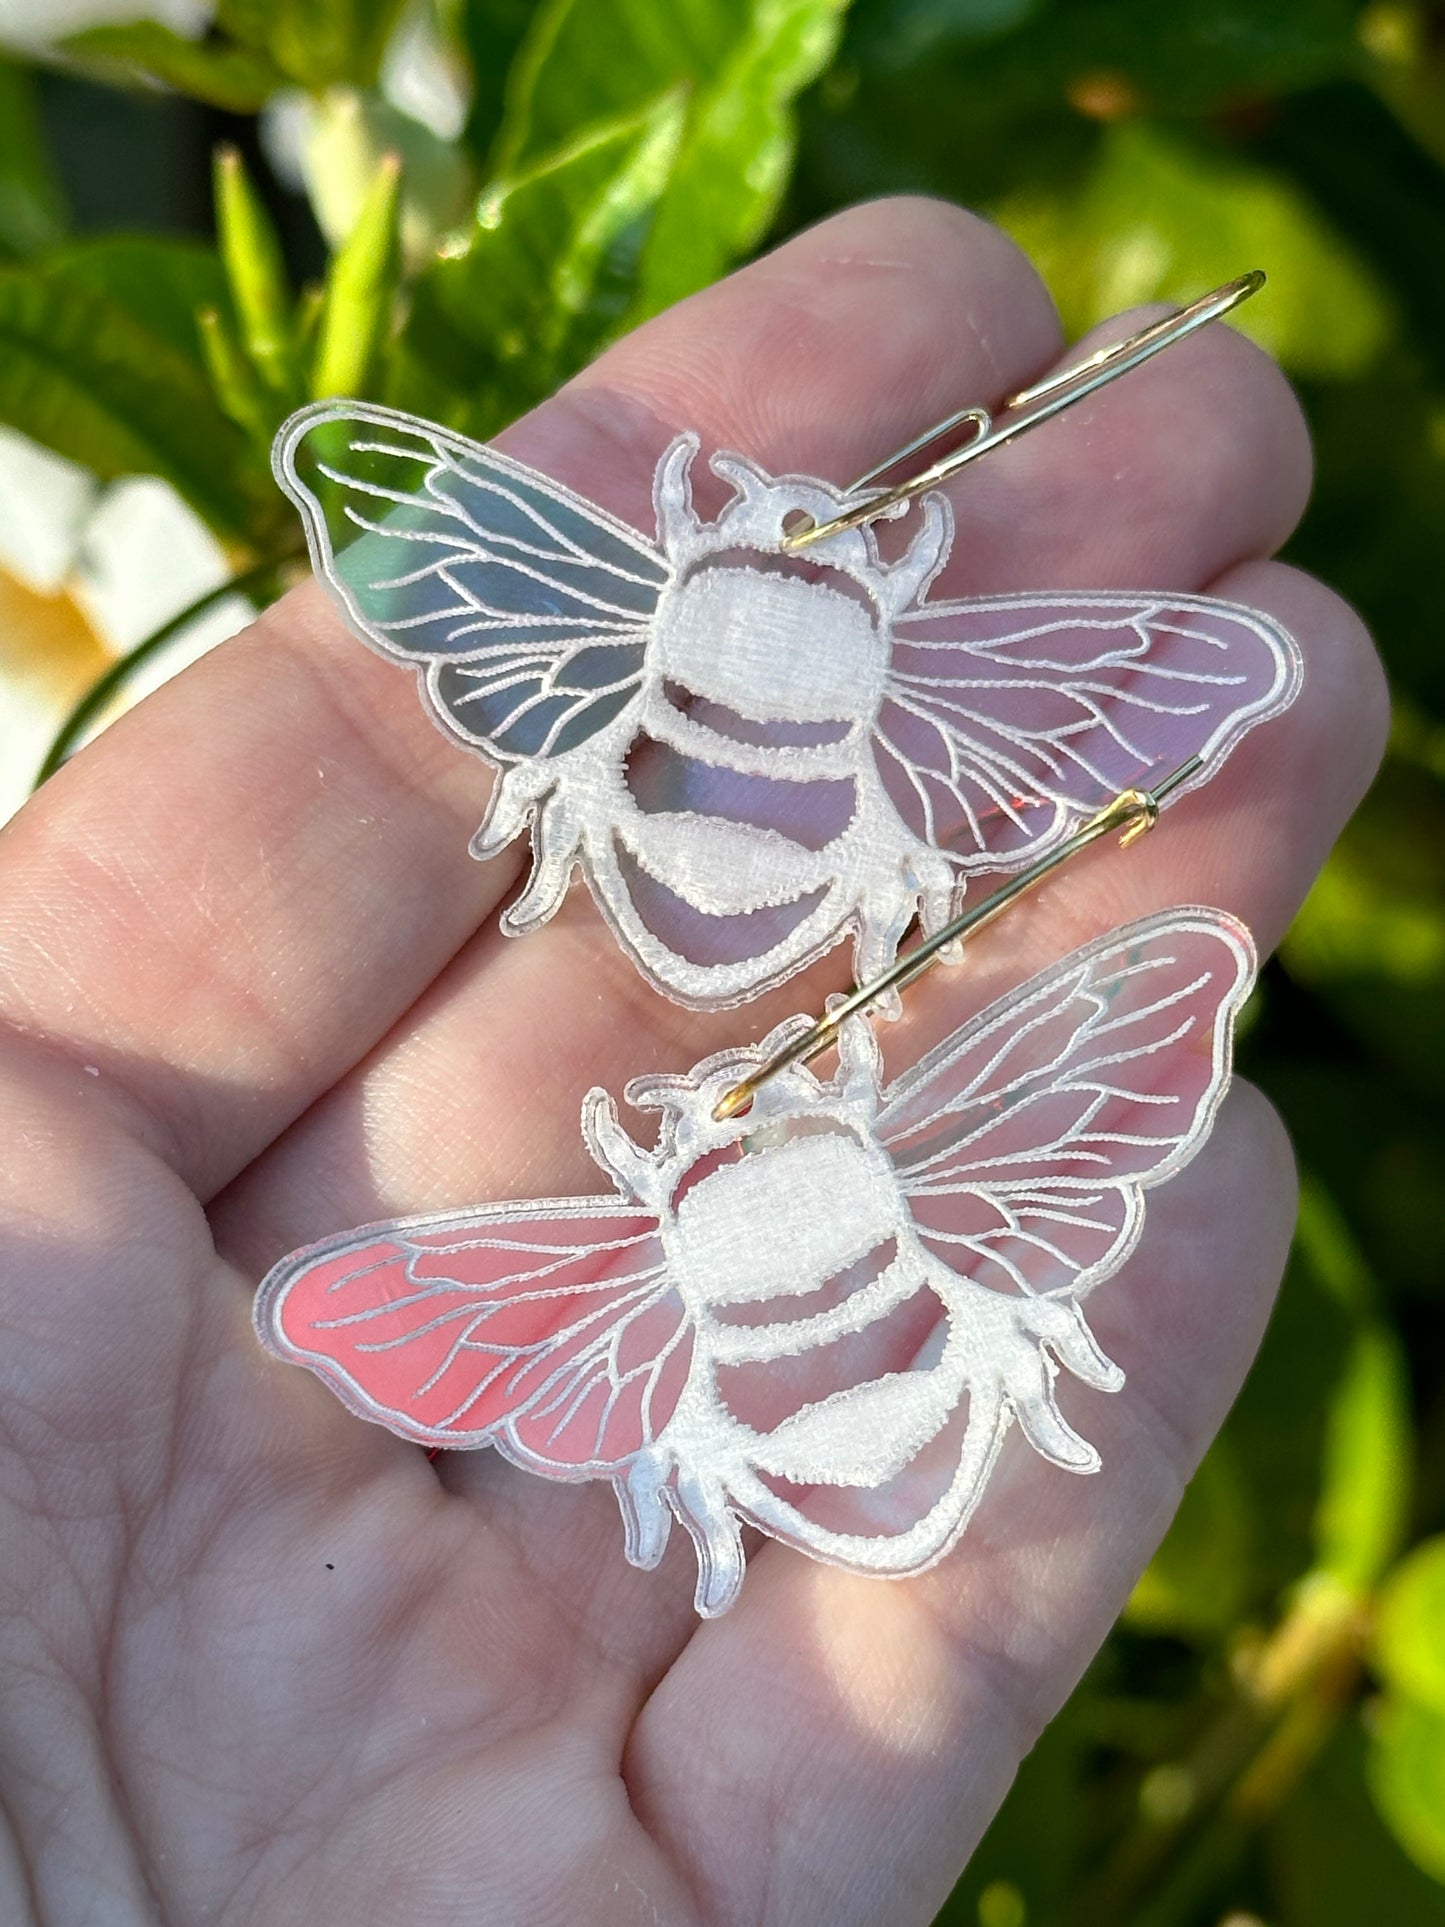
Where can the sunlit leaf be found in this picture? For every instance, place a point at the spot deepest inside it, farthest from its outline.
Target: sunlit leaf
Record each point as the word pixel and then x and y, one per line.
pixel 79 375
pixel 352 136
pixel 1371 936
pixel 1377 911
pixel 736 152
pixel 1163 218
pixel 256 271
pixel 32 207
pixel 361 291
pixel 235 78
pixel 1197 1582
pixel 1380 194
pixel 740 64
pixel 238 387
pixel 1407 1778
pixel 489 32
pixel 1368 1446
pixel 1365 1472
pixel 1409 1645
pixel 1277 1428
pixel 547 274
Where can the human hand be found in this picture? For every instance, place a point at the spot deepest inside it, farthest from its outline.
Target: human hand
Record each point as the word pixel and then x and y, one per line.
pixel 265 1664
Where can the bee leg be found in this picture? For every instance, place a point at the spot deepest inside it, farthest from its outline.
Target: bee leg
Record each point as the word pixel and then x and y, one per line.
pixel 646 1515
pixel 513 801
pixel 1028 1374
pixel 701 1504
pixel 1061 1324
pixel 555 839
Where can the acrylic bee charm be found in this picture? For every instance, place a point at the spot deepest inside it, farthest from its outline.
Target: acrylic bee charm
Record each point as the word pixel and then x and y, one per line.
pixel 751 753
pixel 822 1318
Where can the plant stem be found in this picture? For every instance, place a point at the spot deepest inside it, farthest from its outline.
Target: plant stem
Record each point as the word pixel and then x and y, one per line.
pixel 1287 1697
pixel 93 702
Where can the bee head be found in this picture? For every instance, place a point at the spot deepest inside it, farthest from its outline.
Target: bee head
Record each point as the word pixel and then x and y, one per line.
pixel 765 507
pixel 793 1101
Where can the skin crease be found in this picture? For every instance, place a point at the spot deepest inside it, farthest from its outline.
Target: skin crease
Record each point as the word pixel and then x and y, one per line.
pixel 264 1664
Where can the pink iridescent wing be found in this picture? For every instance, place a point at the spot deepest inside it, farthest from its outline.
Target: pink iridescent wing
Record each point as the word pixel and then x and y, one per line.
pixel 1006 720
pixel 550 1331
pixel 1025 1142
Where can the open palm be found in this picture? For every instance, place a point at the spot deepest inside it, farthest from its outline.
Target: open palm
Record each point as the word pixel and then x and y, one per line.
pixel 266 1664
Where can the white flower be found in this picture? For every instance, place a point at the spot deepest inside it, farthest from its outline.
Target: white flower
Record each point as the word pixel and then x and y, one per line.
pixel 87 572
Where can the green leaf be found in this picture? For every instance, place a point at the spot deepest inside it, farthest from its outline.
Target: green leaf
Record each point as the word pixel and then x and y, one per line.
pixel 318 43
pixel 80 375
pixel 159 282
pixel 489 32
pixel 361 291
pixel 741 64
pixel 1368 1441
pixel 1409 1643
pixel 550 269
pixel 234 378
pixel 737 152
pixel 1365 1470
pixel 256 271
pixel 1196 1584
pixel 1333 1863
pixel 32 207
pixel 1406 1767
pixel 1343 149
pixel 1160 217
pixel 238 79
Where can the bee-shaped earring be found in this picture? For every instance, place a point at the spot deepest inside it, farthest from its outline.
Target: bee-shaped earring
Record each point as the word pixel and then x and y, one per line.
pixel 754 734
pixel 814 1306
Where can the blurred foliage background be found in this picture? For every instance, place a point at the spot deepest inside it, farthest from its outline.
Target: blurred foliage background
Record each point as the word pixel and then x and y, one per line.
pixel 214 211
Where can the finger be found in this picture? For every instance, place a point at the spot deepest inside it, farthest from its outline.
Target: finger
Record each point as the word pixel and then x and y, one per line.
pixel 887 1720
pixel 231 896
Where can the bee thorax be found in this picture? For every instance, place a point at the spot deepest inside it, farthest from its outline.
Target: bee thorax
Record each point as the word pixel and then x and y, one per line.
pixel 772 648
pixel 782 1220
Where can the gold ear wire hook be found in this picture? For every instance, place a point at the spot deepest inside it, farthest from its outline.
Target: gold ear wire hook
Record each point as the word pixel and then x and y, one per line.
pixel 1135 812
pixel 1023 411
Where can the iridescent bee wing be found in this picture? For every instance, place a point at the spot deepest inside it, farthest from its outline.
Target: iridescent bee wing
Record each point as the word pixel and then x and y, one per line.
pixel 524 607
pixel 1025 1143
pixel 1007 720
pixel 550 1331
